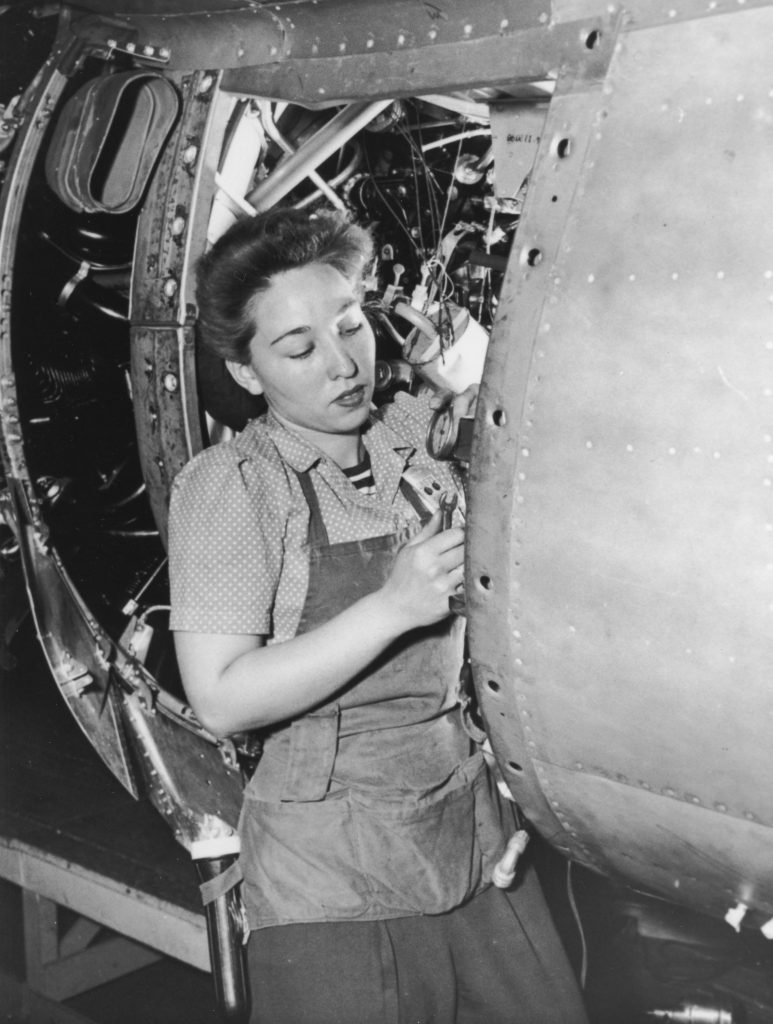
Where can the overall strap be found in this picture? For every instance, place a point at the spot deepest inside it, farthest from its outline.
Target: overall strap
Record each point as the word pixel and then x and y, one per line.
pixel 317 536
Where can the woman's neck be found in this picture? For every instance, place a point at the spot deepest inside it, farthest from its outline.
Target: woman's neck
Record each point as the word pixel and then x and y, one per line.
pixel 346 450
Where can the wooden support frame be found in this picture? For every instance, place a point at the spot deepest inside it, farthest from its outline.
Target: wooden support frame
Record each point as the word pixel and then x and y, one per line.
pixel 67 954
pixel 61 964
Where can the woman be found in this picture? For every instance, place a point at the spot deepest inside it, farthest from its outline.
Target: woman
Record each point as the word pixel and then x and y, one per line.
pixel 311 603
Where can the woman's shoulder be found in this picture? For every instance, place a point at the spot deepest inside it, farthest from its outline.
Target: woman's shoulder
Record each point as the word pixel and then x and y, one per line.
pixel 247 464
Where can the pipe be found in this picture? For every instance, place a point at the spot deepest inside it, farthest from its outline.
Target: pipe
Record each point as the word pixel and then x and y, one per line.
pixel 330 137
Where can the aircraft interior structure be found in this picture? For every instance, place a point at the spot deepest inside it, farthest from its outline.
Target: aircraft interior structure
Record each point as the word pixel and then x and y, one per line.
pixel 584 187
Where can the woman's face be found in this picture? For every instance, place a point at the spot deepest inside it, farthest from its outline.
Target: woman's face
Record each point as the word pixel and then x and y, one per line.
pixel 312 355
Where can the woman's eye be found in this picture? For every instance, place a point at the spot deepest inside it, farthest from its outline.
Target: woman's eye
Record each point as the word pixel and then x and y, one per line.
pixel 349 329
pixel 304 354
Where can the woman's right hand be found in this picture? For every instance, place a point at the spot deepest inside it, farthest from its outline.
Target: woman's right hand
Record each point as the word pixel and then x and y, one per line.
pixel 426 572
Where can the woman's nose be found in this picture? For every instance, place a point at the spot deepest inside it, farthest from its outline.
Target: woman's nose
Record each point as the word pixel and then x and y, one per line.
pixel 340 362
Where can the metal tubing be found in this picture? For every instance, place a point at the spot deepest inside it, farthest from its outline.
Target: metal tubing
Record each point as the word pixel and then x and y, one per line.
pixel 330 137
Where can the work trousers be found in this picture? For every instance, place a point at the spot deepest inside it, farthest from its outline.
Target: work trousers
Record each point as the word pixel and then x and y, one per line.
pixel 495 960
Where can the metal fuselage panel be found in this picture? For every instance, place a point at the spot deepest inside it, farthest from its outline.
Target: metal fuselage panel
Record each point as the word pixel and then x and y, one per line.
pixel 625 670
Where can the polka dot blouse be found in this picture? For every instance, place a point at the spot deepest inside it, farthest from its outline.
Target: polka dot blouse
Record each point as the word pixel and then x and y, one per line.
pixel 238 521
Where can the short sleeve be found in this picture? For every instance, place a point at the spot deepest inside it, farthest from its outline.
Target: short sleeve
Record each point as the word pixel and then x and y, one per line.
pixel 225 545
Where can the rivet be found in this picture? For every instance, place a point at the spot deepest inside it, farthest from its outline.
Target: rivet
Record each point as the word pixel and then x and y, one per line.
pixel 170 287
pixel 171 383
pixel 432 33
pixel 131 47
pixel 190 155
pixel 164 53
pixel 206 84
pixel 178 226
pixel 148 51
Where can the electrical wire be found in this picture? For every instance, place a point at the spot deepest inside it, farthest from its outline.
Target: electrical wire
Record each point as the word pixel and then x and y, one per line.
pixel 578 922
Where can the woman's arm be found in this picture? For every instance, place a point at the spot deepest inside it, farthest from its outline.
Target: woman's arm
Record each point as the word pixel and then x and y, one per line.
pixel 234 682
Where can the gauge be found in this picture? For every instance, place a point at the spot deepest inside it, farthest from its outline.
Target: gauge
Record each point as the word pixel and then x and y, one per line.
pixel 441 435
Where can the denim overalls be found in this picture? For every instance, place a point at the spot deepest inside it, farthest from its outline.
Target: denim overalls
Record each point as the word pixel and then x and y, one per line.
pixel 370 806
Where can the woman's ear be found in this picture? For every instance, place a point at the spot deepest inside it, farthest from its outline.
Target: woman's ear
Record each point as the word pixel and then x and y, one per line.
pixel 245 376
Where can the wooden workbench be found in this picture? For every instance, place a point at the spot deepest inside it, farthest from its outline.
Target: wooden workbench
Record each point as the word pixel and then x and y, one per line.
pixel 71 837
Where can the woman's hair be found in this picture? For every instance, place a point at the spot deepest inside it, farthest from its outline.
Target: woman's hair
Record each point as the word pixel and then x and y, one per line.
pixel 242 262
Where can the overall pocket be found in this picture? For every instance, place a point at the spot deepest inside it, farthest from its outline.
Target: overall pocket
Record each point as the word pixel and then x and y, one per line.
pixel 429 854
pixel 299 863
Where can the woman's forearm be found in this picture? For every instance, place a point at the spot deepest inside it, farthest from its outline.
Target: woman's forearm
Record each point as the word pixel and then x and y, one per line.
pixel 235 683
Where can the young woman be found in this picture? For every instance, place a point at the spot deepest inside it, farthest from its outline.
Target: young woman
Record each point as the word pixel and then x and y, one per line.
pixel 311 603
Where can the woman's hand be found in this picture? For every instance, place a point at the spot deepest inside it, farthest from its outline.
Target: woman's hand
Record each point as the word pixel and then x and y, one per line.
pixel 426 572
pixel 461 405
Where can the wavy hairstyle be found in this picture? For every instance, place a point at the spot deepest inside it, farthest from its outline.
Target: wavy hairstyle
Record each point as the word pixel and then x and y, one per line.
pixel 242 262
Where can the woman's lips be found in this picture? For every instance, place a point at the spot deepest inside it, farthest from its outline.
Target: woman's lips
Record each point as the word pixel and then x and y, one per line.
pixel 351 398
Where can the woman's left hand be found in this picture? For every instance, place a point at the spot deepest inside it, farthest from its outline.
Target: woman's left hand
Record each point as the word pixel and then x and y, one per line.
pixel 460 405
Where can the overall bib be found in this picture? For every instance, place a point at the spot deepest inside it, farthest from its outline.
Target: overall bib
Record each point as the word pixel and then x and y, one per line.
pixel 370 806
